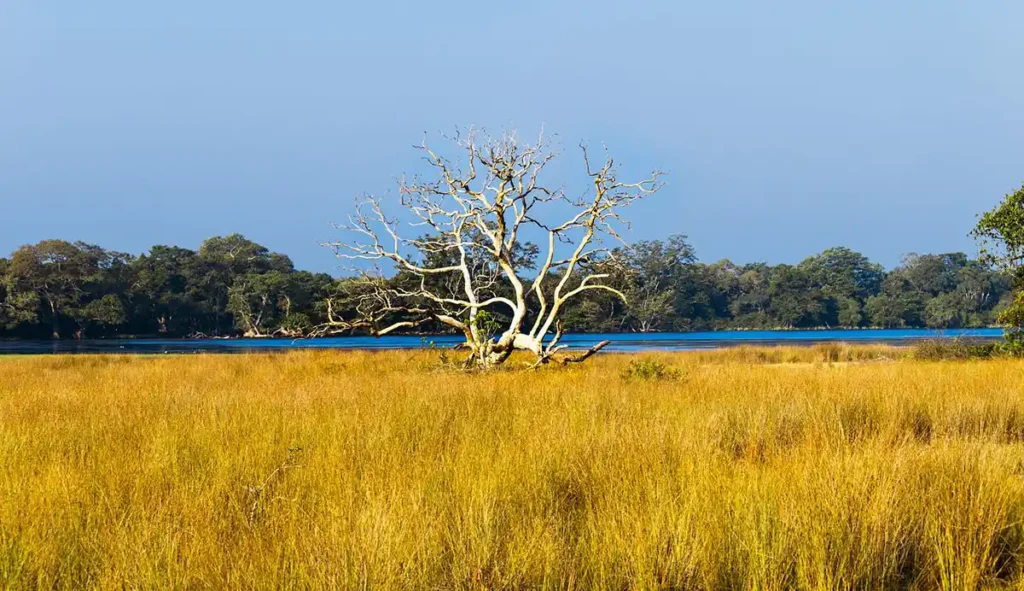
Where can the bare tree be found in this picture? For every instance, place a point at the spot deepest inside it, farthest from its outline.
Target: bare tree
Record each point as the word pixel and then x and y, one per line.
pixel 465 269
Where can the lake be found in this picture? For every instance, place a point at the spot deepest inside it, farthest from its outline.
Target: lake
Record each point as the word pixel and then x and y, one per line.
pixel 621 342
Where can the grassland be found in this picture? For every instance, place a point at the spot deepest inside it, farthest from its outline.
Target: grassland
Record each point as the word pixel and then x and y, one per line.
pixel 828 468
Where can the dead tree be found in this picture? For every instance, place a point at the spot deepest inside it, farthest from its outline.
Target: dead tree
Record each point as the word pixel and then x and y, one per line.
pixel 472 218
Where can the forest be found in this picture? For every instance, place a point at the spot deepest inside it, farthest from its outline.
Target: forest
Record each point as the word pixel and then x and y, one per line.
pixel 232 286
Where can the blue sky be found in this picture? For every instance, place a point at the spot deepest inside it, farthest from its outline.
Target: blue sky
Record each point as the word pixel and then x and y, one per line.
pixel 787 126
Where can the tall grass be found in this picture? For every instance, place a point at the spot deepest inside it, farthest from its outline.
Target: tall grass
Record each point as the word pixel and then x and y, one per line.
pixel 363 470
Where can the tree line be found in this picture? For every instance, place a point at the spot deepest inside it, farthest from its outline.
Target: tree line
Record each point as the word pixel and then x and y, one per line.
pixel 232 286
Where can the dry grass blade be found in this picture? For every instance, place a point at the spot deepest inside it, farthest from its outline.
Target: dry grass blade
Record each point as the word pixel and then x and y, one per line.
pixel 833 467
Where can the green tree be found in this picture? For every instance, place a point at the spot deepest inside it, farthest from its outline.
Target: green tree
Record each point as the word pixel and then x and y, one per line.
pixel 933 274
pixel 849 312
pixel 104 313
pixel 945 311
pixel 104 307
pixel 845 280
pixel 55 272
pixel 300 303
pixel 898 305
pixel 659 274
pixel 752 302
pixel 598 310
pixel 221 260
pixel 887 311
pixel 980 290
pixel 707 292
pixel 6 303
pixel 164 290
pixel 259 301
pixel 843 273
pixel 17 307
pixel 1000 234
pixel 796 302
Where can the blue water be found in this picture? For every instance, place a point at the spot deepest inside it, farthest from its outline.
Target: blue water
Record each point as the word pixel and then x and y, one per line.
pixel 630 342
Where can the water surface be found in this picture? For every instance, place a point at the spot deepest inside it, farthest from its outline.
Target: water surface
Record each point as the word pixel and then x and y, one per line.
pixel 621 342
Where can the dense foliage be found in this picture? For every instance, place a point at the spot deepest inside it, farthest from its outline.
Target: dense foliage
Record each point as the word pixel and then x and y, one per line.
pixel 232 286
pixel 669 290
pixel 1000 233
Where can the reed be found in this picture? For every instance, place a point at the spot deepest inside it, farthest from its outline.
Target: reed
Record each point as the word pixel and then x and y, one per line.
pixel 737 469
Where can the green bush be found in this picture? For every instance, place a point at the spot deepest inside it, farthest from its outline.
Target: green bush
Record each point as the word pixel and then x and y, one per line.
pixel 1013 343
pixel 956 348
pixel 650 370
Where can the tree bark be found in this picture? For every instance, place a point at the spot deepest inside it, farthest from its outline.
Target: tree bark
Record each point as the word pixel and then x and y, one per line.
pixel 586 354
pixel 54 320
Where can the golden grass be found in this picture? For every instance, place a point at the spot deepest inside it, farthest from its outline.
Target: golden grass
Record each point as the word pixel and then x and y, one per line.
pixel 160 472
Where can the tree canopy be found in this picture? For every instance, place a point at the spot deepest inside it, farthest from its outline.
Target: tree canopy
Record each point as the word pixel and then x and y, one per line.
pixel 1000 233
pixel 231 286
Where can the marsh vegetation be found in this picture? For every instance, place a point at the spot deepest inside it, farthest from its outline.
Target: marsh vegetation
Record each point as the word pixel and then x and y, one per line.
pixel 810 468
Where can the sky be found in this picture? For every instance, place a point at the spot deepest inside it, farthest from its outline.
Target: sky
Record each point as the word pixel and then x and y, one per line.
pixel 786 127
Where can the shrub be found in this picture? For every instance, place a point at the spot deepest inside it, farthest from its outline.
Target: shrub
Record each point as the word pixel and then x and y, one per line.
pixel 650 370
pixel 1013 343
pixel 956 348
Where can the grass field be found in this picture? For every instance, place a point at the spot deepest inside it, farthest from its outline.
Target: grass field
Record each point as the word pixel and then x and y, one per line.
pixel 740 469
